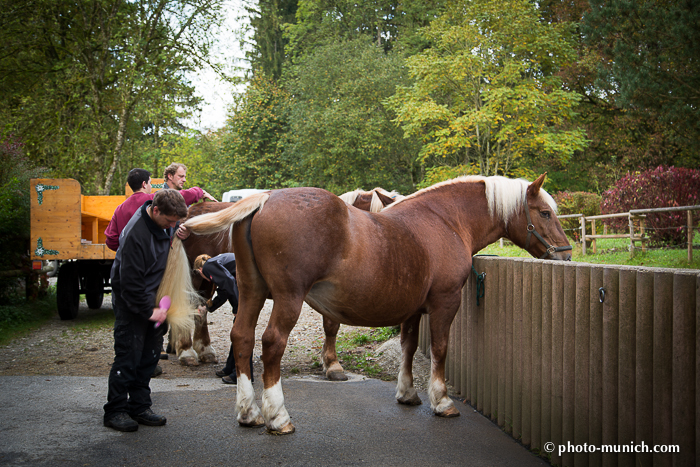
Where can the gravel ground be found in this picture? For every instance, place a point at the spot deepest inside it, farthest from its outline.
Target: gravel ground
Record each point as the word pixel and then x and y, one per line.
pixel 77 348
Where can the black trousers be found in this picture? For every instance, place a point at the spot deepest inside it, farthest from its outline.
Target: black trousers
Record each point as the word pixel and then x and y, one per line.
pixel 137 346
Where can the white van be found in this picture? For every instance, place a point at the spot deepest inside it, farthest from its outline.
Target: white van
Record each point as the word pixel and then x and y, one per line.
pixel 237 195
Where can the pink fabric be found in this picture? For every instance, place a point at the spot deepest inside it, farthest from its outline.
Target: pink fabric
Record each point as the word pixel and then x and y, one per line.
pixel 124 211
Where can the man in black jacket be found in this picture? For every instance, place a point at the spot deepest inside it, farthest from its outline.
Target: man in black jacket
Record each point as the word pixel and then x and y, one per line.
pixel 136 274
pixel 221 270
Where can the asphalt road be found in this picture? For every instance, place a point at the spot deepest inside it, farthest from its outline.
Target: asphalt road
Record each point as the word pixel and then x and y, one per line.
pixel 57 421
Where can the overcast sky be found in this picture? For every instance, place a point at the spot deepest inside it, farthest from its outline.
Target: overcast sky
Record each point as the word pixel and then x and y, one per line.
pixel 217 94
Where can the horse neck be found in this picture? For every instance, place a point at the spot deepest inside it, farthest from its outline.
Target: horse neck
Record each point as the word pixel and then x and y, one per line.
pixel 463 207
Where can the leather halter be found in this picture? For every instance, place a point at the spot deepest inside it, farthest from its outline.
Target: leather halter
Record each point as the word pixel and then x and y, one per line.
pixel 531 230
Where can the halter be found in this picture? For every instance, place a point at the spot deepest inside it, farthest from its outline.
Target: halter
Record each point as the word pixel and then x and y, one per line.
pixel 531 230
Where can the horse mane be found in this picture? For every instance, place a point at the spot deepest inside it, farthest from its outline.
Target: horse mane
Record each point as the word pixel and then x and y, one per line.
pixel 504 196
pixel 351 196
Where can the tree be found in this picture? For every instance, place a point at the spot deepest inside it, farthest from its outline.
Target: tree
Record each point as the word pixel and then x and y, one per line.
pixel 80 72
pixel 267 20
pixel 486 91
pixel 652 58
pixel 341 134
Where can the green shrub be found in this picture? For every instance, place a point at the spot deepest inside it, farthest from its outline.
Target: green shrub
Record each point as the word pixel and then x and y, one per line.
pixel 577 202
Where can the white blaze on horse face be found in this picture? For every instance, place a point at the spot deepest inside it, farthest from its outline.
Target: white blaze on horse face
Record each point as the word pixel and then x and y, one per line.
pixel 248 411
pixel 275 414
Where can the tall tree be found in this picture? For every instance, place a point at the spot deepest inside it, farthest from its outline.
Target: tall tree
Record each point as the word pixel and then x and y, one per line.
pixel 341 134
pixel 653 58
pixel 79 72
pixel 486 92
pixel 267 45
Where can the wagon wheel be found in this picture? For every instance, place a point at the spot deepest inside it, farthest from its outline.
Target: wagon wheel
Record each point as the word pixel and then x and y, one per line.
pixel 68 291
pixel 94 293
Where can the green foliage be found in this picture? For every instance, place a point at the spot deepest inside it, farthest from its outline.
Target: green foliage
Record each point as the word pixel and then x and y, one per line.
pixel 341 134
pixel 267 19
pixel 253 144
pixel 577 202
pixel 15 173
pixel 652 59
pixel 656 188
pixel 76 76
pixel 18 316
pixel 486 92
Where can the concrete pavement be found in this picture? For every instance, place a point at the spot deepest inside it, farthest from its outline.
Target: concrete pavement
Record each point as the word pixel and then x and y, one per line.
pixel 57 421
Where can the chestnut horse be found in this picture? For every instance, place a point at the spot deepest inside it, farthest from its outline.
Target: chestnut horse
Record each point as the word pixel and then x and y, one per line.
pixel 366 269
pixel 191 350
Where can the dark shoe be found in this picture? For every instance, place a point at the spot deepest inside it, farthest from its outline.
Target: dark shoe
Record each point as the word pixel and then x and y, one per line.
pixel 230 379
pixel 121 422
pixel 157 372
pixel 163 356
pixel 147 417
pixel 222 372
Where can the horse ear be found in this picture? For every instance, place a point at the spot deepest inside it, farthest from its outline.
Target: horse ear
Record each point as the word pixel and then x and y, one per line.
pixel 386 200
pixel 534 188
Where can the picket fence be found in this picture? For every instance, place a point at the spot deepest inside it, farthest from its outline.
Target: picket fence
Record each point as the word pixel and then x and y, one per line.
pixel 595 355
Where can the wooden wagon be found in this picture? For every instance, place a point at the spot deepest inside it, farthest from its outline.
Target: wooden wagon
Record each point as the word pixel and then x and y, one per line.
pixel 69 227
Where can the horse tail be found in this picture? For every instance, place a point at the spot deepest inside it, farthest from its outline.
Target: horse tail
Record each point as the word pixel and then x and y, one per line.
pixel 214 222
pixel 177 283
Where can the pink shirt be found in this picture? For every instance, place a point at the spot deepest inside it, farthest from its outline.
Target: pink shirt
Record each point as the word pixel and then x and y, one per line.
pixel 124 211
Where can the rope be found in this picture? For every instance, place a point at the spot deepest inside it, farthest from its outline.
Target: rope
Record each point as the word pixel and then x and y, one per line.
pixel 480 290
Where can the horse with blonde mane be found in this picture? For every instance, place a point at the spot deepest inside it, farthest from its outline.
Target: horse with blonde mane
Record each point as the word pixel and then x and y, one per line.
pixel 373 201
pixel 368 269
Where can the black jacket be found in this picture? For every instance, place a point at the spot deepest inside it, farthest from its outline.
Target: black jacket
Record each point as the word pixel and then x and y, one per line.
pixel 140 263
pixel 221 270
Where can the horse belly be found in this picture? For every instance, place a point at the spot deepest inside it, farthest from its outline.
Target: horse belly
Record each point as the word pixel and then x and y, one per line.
pixel 359 308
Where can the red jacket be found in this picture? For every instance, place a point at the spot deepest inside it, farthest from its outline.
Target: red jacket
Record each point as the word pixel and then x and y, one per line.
pixel 124 211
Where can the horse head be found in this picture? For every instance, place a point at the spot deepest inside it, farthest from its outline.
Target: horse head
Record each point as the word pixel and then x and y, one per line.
pixel 537 228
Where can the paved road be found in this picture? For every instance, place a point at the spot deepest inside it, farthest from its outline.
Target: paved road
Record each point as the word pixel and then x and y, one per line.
pixel 57 421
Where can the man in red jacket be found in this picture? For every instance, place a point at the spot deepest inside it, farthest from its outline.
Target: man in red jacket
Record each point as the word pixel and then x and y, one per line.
pixel 140 182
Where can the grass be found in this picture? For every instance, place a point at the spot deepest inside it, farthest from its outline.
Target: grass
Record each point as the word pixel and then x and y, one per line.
pixel 614 251
pixel 18 317
pixel 352 355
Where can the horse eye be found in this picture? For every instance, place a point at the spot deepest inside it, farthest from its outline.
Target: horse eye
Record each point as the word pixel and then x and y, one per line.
pixel 545 214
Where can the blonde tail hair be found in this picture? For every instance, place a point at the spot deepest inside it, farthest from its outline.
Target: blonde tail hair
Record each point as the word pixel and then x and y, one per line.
pixel 177 283
pixel 214 222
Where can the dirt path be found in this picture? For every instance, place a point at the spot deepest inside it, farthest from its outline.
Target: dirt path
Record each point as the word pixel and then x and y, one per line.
pixel 79 348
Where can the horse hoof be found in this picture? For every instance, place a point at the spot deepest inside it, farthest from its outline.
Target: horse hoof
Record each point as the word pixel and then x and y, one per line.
pixel 336 376
pixel 189 361
pixel 255 423
pixel 449 413
pixel 287 429
pixel 415 400
pixel 208 359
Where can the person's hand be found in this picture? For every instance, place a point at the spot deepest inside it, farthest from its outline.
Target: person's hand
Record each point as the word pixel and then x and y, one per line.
pixel 182 232
pixel 209 197
pixel 202 310
pixel 159 315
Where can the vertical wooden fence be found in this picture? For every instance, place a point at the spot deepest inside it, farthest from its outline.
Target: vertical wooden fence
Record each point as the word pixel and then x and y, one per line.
pixel 582 354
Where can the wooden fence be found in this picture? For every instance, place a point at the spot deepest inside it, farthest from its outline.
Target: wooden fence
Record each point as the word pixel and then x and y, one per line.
pixel 580 353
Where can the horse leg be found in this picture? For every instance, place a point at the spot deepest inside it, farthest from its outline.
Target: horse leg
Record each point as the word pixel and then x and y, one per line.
pixel 284 316
pixel 334 371
pixel 440 323
pixel 183 348
pixel 405 392
pixel 202 341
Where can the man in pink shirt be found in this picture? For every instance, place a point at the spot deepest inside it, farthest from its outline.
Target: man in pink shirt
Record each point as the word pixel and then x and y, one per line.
pixel 175 176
